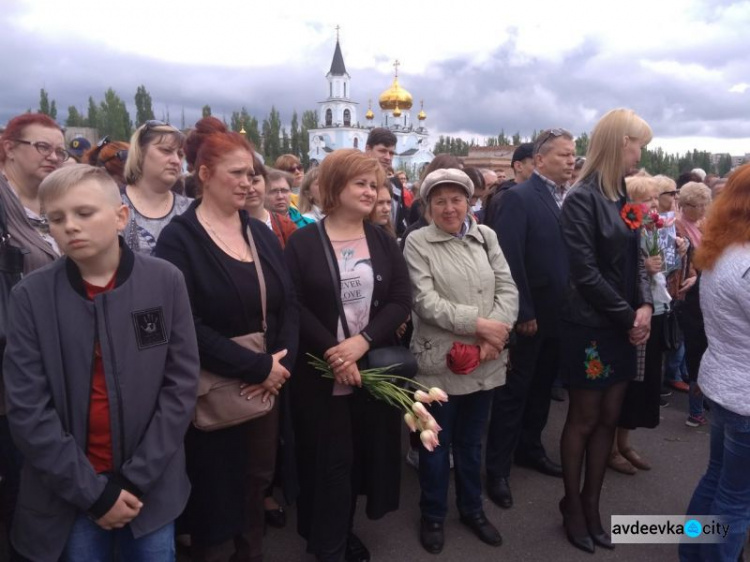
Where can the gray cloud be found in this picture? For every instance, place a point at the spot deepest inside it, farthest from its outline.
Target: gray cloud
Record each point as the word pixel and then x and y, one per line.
pixel 503 92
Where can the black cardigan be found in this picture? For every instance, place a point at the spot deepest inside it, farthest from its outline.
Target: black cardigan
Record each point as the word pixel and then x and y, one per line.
pixel 316 293
pixel 187 245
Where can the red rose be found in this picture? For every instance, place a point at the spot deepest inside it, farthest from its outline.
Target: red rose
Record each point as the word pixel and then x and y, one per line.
pixel 463 358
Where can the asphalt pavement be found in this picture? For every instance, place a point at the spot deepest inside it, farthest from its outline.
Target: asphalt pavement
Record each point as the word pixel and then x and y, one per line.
pixel 532 528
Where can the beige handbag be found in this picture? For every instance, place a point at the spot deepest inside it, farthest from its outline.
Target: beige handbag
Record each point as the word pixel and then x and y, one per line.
pixel 219 402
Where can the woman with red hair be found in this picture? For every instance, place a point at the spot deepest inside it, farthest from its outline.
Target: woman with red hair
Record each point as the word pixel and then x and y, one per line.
pixel 724 377
pixel 211 243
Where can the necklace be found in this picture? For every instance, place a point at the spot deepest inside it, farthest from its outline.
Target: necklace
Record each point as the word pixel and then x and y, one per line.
pixel 162 209
pixel 244 256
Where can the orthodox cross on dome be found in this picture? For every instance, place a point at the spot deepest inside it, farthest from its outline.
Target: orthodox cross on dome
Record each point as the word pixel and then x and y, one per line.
pixel 395 66
pixel 338 27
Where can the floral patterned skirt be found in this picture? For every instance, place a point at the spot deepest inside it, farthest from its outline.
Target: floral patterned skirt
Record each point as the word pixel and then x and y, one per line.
pixel 595 358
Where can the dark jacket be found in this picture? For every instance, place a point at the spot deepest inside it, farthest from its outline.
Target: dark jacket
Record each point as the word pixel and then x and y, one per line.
pixel 527 224
pixel 608 281
pixel 311 394
pixel 492 203
pixel 150 360
pixel 400 212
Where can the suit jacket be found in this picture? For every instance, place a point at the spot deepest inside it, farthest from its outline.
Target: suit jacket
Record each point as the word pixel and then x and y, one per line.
pixel 527 223
pixel 399 211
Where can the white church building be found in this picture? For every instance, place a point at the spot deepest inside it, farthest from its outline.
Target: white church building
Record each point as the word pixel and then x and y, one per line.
pixel 339 125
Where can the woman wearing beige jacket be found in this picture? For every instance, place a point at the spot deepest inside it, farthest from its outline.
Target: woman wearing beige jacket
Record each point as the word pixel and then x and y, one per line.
pixel 463 294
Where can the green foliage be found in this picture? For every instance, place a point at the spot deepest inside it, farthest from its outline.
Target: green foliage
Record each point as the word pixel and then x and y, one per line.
pixel 206 111
pixel 294 145
pixel 582 144
pixel 456 146
pixel 53 110
pixel 92 117
pixel 271 130
pixel 143 107
pixel 242 119
pixel 724 165
pixel 309 121
pixel 75 119
pixel 516 140
pixel 112 117
pixel 44 106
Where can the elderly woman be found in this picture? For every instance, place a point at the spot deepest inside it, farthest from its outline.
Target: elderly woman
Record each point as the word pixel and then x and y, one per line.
pixel 463 294
pixel 606 315
pixel 347 443
pixel 31 148
pixel 153 166
pixel 281 225
pixel 724 258
pixel 695 197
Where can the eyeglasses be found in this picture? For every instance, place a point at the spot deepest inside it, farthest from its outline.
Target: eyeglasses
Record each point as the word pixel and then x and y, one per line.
pixel 295 168
pixel 550 134
pixel 153 123
pixel 277 192
pixel 46 149
pixel 102 143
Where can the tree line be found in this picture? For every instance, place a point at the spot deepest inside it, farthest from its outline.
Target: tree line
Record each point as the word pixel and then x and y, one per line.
pixel 655 161
pixel 271 138
pixel 110 117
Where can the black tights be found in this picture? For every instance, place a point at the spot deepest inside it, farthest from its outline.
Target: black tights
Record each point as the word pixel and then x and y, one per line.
pixel 588 433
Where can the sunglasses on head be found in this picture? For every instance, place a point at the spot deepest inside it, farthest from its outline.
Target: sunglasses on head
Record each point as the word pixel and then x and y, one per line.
pixel 153 123
pixel 121 155
pixel 547 135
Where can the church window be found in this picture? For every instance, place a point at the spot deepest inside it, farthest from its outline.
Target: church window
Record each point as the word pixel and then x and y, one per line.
pixel 329 117
pixel 356 142
pixel 347 118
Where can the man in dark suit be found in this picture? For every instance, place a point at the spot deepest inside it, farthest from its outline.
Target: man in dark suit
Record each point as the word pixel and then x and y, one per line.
pixel 528 227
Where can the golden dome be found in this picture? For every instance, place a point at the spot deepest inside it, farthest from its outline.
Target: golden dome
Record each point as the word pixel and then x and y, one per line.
pixel 395 96
pixel 369 115
pixel 422 115
pixel 397 112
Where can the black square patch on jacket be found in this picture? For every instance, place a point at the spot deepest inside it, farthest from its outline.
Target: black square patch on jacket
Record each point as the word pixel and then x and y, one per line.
pixel 149 327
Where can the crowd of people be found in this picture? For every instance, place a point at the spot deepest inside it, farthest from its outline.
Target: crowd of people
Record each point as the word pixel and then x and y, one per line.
pixel 141 305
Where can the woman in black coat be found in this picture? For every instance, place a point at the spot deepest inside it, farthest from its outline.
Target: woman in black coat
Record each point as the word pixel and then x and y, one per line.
pixel 607 313
pixel 347 443
pixel 231 468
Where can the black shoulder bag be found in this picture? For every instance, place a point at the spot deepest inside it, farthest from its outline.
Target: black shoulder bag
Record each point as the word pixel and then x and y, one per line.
pixel 11 271
pixel 400 358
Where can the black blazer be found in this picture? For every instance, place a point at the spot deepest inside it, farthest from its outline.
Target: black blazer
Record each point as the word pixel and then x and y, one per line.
pixel 608 281
pixel 186 244
pixel 527 223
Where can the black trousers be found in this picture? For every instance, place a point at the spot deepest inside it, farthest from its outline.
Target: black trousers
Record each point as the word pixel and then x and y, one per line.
pixel 520 408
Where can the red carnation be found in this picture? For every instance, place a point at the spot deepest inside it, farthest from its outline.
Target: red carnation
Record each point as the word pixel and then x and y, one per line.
pixel 463 358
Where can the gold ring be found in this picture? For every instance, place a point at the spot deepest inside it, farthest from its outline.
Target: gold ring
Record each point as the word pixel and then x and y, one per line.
pixel 341 360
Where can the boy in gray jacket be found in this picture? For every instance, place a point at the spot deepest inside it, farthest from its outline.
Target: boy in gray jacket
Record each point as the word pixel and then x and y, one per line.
pixel 101 370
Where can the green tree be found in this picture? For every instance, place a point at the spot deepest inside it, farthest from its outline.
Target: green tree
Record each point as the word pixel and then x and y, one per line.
pixel 144 110
pixel 272 135
pixel 725 165
pixel 286 146
pixel 75 119
pixel 206 111
pixel 113 117
pixel 92 118
pixel 582 144
pixel 294 147
pixel 44 106
pixel 516 140
pixel 502 139
pixel 242 119
pixel 53 110
pixel 309 121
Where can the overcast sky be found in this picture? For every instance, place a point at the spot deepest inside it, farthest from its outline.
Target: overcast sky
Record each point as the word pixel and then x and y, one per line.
pixel 479 66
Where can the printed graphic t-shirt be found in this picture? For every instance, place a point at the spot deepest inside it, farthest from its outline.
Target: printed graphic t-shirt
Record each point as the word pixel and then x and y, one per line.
pixel 357 282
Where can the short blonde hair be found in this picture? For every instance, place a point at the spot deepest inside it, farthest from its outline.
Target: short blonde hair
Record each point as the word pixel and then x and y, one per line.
pixel 151 132
pixel 59 182
pixel 605 152
pixel 665 183
pixel 641 188
pixel 695 193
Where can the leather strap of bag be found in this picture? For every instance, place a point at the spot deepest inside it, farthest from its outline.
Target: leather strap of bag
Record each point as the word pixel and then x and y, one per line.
pixel 334 277
pixel 261 278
